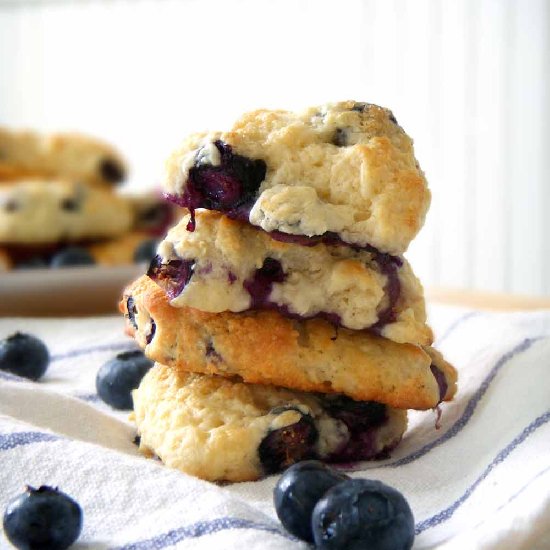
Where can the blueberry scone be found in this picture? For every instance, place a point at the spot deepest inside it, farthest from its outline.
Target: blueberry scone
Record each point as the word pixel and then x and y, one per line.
pixel 5 260
pixel 227 265
pixel 264 347
pixel 48 211
pixel 343 171
pixel 221 429
pixel 67 156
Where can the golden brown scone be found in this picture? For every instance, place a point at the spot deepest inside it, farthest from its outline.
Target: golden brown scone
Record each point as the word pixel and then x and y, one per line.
pixel 5 260
pixel 263 347
pixel 47 211
pixel 227 265
pixel 68 156
pixel 225 430
pixel 343 169
pixel 118 251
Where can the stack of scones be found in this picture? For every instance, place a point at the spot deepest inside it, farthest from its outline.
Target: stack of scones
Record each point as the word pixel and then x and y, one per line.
pixel 284 321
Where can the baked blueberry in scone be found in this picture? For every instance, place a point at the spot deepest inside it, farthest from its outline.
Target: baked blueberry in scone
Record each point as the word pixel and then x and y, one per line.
pixel 223 429
pixel 226 265
pixel 342 171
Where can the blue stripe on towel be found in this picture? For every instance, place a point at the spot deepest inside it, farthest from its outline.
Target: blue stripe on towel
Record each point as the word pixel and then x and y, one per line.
pixel 17 439
pixel 200 529
pixel 459 425
pixel 456 323
pixel 448 512
pixel 119 346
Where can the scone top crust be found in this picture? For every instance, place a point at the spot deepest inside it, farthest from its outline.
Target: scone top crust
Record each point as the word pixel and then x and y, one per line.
pixel 343 168
pixel 60 155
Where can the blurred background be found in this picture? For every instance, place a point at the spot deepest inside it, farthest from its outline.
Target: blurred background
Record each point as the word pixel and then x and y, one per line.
pixel 469 80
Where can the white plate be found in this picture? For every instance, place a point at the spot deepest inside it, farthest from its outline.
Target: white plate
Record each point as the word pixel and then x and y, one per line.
pixel 65 292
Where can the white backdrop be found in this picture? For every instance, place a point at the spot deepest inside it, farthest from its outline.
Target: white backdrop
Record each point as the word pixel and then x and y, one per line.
pixel 468 79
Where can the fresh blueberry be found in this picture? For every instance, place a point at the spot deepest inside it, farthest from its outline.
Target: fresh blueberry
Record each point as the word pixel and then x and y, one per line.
pixel 43 518
pixel 117 378
pixel 282 447
pixel 111 171
pixel 362 513
pixel 298 491
pixel 72 256
pixel 145 251
pixel 24 355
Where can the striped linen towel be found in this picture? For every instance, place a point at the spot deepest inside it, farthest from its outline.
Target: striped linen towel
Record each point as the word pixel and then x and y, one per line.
pixel 480 481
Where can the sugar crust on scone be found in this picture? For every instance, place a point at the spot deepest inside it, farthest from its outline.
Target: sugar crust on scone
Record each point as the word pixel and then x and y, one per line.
pixel 226 272
pixel 346 168
pixel 213 427
pixel 264 347
pixel 25 153
pixel 46 211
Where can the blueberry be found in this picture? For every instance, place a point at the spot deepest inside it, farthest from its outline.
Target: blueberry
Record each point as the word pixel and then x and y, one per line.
pixel 361 513
pixel 43 518
pixel 145 251
pixel 132 311
pixel 24 355
pixel 117 378
pixel 283 447
pixel 261 284
pixel 298 491
pixel 172 276
pixel 70 204
pixel 72 256
pixel 340 137
pixel 12 206
pixel 34 262
pixel 111 171
pixel 441 381
pixel 225 187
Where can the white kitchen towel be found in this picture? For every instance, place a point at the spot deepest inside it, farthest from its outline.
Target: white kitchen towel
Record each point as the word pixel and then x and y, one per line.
pixel 482 480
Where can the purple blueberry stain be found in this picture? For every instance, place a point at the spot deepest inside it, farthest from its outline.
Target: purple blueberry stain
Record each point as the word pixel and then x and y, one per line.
pixel 261 284
pixel 172 276
pixel 132 311
pixel 212 354
pixel 441 381
pixel 151 332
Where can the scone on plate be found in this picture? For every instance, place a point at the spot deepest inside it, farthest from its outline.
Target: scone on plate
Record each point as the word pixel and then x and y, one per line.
pixel 343 170
pixel 222 429
pixel 38 211
pixel 265 347
pixel 227 265
pixel 64 155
